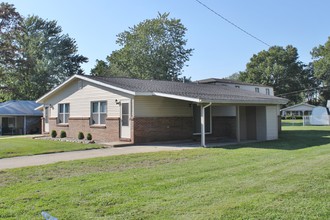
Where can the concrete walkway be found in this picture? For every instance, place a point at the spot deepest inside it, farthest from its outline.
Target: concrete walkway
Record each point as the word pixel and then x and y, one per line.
pixel 25 161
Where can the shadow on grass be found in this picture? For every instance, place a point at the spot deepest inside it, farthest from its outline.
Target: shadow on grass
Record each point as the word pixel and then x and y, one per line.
pixel 290 140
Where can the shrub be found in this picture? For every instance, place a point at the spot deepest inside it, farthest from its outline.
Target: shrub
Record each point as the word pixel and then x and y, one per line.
pixel 63 134
pixel 81 135
pixel 53 134
pixel 89 137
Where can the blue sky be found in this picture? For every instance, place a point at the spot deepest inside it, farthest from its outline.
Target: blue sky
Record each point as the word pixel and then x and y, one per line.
pixel 220 49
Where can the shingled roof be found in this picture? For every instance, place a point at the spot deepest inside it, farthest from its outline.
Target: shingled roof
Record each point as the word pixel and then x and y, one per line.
pixel 200 93
pixel 19 108
pixel 203 92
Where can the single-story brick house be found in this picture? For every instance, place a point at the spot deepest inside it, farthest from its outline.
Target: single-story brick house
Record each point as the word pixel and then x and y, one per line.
pixel 18 117
pixel 125 109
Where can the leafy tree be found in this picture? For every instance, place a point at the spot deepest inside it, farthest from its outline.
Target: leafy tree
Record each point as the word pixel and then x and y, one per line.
pixel 152 49
pixel 321 65
pixel 43 56
pixel 280 68
pixel 234 76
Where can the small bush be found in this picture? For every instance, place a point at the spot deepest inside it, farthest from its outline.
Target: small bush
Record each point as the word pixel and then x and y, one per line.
pixel 53 134
pixel 81 135
pixel 63 134
pixel 89 137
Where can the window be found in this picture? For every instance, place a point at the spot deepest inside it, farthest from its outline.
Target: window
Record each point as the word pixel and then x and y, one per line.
pixel 124 114
pixel 99 112
pixel 237 87
pixel 257 90
pixel 63 113
pixel 267 92
pixel 197 119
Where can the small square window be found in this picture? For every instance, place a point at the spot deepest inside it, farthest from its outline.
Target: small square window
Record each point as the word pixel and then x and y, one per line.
pixel 257 90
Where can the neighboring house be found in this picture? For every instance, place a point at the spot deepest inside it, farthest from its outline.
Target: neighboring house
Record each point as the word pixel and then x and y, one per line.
pixel 124 109
pixel 19 117
pixel 268 90
pixel 301 109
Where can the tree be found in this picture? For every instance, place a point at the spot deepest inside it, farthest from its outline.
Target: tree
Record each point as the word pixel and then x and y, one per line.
pixel 280 68
pixel 321 65
pixel 152 49
pixel 10 21
pixel 44 57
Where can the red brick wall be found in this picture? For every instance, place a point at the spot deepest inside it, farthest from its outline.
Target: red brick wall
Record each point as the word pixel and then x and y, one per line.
pixel 162 129
pixel 109 132
pixel 145 129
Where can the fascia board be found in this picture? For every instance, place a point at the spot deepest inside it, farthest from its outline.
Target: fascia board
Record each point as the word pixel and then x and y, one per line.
pixel 176 97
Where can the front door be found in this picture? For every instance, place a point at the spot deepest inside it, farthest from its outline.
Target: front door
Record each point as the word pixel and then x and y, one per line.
pixel 46 120
pixel 125 124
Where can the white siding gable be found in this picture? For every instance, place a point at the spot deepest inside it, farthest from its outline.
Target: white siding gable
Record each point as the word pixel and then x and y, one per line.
pixel 79 94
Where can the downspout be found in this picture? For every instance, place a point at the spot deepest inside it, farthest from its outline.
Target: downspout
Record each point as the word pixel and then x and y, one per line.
pixel 203 123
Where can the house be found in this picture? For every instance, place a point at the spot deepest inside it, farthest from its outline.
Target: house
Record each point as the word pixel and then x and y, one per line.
pixel 19 117
pixel 268 90
pixel 125 109
pixel 301 109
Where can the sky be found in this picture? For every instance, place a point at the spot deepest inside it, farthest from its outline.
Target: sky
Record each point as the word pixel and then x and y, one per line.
pixel 220 49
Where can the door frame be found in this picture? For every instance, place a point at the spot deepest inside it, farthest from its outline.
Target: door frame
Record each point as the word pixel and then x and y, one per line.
pixel 125 131
pixel 46 118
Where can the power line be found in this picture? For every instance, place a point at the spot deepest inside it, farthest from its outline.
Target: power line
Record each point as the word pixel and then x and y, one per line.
pixel 232 23
pixel 305 90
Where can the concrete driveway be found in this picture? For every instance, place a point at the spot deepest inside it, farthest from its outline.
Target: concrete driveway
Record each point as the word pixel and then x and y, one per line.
pixel 25 161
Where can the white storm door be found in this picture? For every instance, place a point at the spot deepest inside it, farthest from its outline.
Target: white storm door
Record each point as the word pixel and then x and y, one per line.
pixel 46 120
pixel 125 124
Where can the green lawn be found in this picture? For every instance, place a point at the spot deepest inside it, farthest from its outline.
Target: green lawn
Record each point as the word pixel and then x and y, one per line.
pixel 21 146
pixel 292 122
pixel 285 179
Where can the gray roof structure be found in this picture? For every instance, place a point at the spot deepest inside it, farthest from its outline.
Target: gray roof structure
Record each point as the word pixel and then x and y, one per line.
pixel 194 92
pixel 19 108
pixel 227 81
pixel 203 92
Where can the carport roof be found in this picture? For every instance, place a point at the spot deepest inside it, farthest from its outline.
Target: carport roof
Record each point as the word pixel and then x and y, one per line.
pixel 19 108
pixel 194 92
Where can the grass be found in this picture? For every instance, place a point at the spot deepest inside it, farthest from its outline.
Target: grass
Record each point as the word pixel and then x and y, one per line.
pixel 23 146
pixel 284 179
pixel 292 122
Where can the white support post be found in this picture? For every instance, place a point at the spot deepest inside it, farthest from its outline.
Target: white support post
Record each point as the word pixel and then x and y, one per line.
pixel 203 126
pixel 24 131
pixel 203 123
pixel 238 127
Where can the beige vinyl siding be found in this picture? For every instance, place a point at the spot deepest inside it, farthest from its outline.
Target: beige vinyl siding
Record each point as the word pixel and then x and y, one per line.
pixel 79 94
pixel 271 122
pixel 152 106
pixel 261 123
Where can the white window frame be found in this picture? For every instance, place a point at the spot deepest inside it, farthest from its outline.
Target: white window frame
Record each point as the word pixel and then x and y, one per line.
pixel 98 113
pixel 267 91
pixel 65 114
